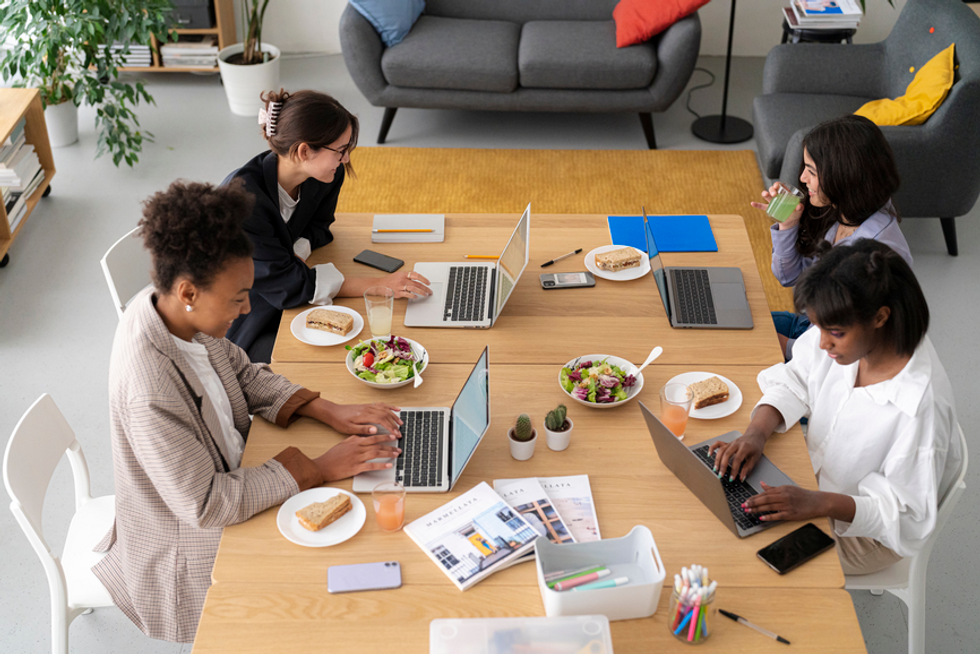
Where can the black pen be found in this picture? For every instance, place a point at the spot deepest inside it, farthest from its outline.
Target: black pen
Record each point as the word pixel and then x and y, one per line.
pixel 741 620
pixel 564 256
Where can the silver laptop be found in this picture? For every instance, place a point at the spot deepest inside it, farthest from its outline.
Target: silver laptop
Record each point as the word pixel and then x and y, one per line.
pixel 438 442
pixel 693 466
pixel 472 294
pixel 702 298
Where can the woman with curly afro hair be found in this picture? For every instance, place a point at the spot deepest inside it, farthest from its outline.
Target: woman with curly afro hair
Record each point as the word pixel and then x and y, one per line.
pixel 180 395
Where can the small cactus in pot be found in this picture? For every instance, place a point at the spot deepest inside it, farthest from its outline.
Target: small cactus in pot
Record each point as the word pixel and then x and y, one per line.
pixel 555 420
pixel 558 429
pixel 523 432
pixel 522 438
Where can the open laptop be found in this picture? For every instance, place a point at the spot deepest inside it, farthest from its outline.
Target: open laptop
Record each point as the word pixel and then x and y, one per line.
pixel 702 298
pixel 472 294
pixel 438 442
pixel 693 466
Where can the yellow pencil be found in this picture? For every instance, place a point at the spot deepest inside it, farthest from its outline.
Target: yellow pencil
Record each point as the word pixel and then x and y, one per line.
pixel 480 256
pixel 399 231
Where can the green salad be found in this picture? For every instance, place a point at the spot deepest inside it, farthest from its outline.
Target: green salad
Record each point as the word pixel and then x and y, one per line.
pixel 599 382
pixel 385 361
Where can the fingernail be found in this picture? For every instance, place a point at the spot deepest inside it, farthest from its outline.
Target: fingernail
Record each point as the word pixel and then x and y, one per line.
pixel 743 505
pixel 716 468
pixel 731 477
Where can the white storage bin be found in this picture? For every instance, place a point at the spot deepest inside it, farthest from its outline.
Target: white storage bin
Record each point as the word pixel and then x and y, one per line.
pixel 634 556
pixel 588 634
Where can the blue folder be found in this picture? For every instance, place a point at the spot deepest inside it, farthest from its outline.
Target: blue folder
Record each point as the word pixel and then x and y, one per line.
pixel 672 233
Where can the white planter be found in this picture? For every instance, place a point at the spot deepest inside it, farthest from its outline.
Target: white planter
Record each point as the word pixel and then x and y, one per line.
pixel 62 122
pixel 522 450
pixel 559 440
pixel 244 84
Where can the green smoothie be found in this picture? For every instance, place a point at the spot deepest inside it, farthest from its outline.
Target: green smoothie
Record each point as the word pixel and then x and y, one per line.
pixel 781 207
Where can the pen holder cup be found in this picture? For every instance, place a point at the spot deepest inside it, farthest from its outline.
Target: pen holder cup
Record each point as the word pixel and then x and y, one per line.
pixel 680 624
pixel 634 556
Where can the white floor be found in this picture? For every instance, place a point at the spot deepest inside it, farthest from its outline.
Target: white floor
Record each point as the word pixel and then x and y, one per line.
pixel 57 322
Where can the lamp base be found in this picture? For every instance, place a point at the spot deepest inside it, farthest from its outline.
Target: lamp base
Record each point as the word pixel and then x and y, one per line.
pixel 710 128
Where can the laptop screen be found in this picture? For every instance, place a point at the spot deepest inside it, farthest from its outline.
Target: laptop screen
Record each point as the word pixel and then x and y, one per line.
pixel 656 265
pixel 512 262
pixel 470 416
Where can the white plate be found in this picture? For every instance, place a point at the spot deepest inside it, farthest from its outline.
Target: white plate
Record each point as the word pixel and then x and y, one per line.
pixel 416 348
pixel 337 532
pixel 622 275
pixel 726 408
pixel 317 337
pixel 623 364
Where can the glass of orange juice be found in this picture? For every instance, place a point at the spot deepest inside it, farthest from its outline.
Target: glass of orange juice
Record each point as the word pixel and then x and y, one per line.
pixel 389 505
pixel 675 405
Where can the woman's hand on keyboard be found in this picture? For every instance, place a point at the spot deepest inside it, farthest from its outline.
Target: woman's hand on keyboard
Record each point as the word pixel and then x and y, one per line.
pixel 357 454
pixel 742 454
pixel 356 419
pixel 786 503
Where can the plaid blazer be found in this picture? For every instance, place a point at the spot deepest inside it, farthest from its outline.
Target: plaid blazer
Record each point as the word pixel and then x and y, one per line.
pixel 174 492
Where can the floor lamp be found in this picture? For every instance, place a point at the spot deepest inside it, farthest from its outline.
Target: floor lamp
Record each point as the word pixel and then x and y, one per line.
pixel 724 128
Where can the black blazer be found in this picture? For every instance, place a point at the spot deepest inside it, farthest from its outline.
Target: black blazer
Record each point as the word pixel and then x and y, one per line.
pixel 282 281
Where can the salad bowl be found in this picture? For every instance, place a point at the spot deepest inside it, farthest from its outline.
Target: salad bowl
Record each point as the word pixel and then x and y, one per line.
pixel 388 363
pixel 614 384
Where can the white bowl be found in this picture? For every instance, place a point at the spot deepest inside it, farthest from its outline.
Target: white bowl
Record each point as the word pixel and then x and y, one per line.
pixel 617 361
pixel 416 348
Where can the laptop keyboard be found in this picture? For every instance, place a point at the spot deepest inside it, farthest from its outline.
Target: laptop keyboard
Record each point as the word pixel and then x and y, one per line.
pixel 419 464
pixel 735 491
pixel 466 293
pixel 692 297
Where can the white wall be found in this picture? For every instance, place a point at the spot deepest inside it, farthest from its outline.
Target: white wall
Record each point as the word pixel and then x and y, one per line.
pixel 311 25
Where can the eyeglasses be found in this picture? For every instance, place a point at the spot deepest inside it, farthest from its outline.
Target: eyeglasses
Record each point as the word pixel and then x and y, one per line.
pixel 343 152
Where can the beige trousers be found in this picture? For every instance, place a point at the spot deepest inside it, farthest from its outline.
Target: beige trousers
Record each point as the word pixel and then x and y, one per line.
pixel 862 556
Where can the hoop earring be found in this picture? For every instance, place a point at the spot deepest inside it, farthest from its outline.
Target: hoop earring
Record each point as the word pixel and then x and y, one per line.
pixel 189 308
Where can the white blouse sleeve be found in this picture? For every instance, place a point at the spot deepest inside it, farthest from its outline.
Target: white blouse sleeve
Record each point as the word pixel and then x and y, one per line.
pixel 328 283
pixel 785 386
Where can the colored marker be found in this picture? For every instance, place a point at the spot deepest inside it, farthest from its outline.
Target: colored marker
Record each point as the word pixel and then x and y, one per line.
pixel 681 599
pixel 684 622
pixel 553 577
pixel 399 231
pixel 584 579
pixel 697 612
pixel 604 583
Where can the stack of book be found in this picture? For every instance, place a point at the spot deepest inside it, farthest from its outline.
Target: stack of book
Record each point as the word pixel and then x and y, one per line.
pixel 191 52
pixel 138 55
pixel 20 174
pixel 823 14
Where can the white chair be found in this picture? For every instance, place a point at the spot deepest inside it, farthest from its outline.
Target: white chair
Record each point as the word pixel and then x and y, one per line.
pixel 127 269
pixel 907 578
pixel 39 440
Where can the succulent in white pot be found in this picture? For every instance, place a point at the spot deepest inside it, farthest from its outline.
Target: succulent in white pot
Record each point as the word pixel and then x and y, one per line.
pixel 558 429
pixel 522 437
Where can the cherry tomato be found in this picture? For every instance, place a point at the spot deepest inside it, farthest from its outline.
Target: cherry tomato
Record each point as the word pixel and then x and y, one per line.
pixel 368 359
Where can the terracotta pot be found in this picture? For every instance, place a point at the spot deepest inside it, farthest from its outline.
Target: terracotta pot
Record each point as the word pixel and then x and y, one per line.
pixel 522 450
pixel 559 440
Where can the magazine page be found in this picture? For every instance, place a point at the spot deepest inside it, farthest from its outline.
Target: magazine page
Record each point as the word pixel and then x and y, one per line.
pixel 528 497
pixel 572 496
pixel 473 536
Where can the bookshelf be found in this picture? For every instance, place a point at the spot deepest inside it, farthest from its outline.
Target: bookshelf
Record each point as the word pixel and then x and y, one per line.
pixel 224 29
pixel 15 103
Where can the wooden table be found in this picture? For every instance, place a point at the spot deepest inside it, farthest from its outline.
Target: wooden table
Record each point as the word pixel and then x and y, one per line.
pixel 626 316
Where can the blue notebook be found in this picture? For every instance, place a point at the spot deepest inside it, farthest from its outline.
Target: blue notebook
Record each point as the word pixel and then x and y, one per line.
pixel 673 233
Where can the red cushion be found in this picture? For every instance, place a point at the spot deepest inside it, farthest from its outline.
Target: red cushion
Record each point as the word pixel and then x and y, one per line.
pixel 639 20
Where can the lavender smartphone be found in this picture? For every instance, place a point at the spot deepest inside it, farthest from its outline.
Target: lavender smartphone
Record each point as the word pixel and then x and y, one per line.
pixel 364 576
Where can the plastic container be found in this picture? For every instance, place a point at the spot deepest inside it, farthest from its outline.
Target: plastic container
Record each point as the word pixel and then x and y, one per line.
pixel 588 634
pixel 703 625
pixel 634 556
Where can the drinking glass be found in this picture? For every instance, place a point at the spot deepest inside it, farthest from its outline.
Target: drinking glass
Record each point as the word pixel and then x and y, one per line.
pixel 380 302
pixel 389 505
pixel 675 405
pixel 781 207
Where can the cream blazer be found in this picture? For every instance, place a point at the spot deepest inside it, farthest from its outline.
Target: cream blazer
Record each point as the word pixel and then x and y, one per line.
pixel 174 492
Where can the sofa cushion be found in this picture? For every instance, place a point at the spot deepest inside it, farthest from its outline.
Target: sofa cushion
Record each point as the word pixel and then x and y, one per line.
pixel 454 53
pixel 640 20
pixel 392 19
pixel 582 55
pixel 928 89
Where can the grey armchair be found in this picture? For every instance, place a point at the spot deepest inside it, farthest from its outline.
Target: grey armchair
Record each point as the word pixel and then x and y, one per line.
pixel 939 161
pixel 520 55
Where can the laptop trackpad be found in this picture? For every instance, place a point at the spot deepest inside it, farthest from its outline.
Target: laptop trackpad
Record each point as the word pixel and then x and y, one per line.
pixel 437 293
pixel 728 296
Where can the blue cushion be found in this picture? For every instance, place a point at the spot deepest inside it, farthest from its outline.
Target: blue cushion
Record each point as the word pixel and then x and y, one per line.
pixel 391 18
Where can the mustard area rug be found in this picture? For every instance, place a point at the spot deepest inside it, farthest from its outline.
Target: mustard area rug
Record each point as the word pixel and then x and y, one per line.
pixel 610 182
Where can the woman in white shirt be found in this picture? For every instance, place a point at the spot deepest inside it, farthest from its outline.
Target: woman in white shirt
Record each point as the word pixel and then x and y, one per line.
pixel 880 407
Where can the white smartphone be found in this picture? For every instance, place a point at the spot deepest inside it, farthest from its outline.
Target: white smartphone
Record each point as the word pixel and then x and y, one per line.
pixel 551 281
pixel 364 576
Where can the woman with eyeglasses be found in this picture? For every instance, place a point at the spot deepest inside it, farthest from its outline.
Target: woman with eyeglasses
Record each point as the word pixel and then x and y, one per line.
pixel 296 184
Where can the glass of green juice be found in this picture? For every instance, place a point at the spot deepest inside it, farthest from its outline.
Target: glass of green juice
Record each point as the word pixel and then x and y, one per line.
pixel 781 207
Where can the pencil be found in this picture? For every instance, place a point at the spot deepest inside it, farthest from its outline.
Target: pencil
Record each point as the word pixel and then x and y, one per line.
pixel 399 231
pixel 481 256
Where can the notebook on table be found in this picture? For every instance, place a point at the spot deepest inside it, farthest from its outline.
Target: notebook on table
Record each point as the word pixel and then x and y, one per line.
pixel 472 294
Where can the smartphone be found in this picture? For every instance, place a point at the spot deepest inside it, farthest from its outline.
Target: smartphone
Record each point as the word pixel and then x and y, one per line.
pixel 364 576
pixel 795 548
pixel 379 261
pixel 550 281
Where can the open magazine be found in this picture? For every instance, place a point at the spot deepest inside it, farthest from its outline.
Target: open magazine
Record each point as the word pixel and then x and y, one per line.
pixel 529 498
pixel 572 497
pixel 473 536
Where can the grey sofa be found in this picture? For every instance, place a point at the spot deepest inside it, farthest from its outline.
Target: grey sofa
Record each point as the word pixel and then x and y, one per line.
pixel 520 55
pixel 938 161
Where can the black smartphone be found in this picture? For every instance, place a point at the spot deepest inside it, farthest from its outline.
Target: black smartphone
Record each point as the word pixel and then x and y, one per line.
pixel 795 548
pixel 379 261
pixel 551 281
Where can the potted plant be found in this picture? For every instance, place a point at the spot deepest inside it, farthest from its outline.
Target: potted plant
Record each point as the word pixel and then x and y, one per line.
pixel 64 49
pixel 558 429
pixel 522 437
pixel 250 68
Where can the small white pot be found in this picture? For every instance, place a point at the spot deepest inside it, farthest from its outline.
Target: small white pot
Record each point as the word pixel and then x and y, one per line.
pixel 522 450
pixel 244 84
pixel 559 440
pixel 62 122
